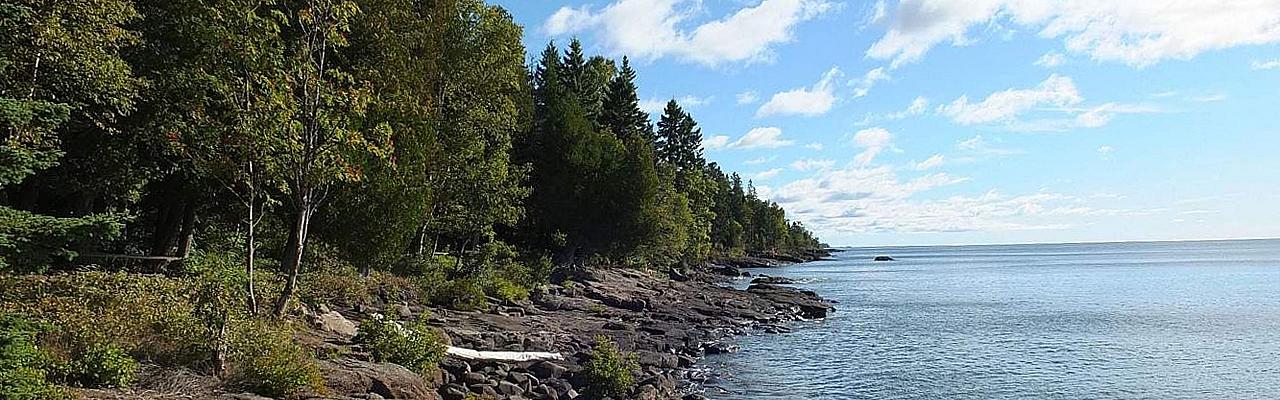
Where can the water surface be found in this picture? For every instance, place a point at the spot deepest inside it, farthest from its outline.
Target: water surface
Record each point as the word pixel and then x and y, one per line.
pixel 1155 320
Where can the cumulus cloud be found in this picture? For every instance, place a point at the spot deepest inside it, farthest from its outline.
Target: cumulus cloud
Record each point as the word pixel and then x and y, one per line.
pixel 1051 59
pixel 760 160
pixel 861 87
pixel 978 146
pixel 747 97
pixel 715 142
pixel 655 105
pixel 1136 33
pixel 1006 105
pixel 808 164
pixel 815 146
pixel 767 137
pixel 918 106
pixel 810 101
pixel 1266 64
pixel 1056 94
pixel 932 162
pixel 767 174
pixel 872 141
pixel 1104 150
pixel 651 29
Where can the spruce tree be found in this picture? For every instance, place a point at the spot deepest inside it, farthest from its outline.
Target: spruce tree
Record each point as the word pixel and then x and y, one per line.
pixel 621 112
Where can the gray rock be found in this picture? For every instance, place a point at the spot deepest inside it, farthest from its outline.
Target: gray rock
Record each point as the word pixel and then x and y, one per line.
pixel 509 389
pixel 547 370
pixel 334 322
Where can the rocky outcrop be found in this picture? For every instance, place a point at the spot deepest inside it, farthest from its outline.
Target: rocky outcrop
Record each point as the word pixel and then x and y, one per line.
pixel 882 258
pixel 773 280
pixel 351 376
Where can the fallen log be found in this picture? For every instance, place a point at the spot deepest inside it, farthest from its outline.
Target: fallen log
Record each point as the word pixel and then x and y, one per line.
pixel 507 356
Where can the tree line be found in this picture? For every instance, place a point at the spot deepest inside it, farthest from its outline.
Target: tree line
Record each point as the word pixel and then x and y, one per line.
pixel 377 134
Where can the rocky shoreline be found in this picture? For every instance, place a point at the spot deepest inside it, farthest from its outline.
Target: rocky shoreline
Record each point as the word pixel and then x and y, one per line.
pixel 668 320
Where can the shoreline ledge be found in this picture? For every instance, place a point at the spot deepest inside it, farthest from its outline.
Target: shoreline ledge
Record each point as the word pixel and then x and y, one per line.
pixel 669 321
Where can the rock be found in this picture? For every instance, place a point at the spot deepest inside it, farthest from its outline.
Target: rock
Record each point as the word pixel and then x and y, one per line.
pixel 402 310
pixel 484 389
pixel 660 360
pixel 334 322
pixel 350 376
pixel 721 348
pixel 726 270
pixel 472 378
pixel 243 396
pixel 547 370
pixel 806 302
pixel 883 258
pixel 776 280
pixel 509 389
pixel 454 391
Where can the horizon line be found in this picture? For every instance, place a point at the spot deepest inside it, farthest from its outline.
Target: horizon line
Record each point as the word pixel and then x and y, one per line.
pixel 1044 243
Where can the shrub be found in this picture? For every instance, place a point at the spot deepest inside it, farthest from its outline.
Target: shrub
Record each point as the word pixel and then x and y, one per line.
pixel 264 359
pixel 609 373
pixel 105 366
pixel 414 345
pixel 152 317
pixel 462 294
pixel 506 290
pixel 23 366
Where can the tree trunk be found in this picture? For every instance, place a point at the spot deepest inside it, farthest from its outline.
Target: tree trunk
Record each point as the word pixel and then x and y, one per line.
pixel 292 263
pixel 250 246
pixel 187 239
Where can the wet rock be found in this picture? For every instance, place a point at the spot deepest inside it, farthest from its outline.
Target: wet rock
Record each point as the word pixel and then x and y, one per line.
pixel 774 280
pixel 883 258
pixel 721 348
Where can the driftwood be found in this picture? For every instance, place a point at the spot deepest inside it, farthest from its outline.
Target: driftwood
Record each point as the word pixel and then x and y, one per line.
pixel 508 356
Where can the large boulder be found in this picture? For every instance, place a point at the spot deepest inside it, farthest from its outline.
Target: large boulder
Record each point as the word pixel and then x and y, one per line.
pixel 349 376
pixel 333 322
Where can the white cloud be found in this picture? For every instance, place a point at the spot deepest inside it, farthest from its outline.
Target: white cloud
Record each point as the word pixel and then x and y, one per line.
pixel 918 106
pixel 872 141
pixel 1267 64
pixel 651 29
pixel 863 86
pixel 767 137
pixel 807 164
pixel 654 106
pixel 760 160
pixel 811 101
pixel 747 97
pixel 931 162
pixel 978 146
pixel 815 146
pixel 1004 106
pixel 1137 33
pixel 1104 150
pixel 1051 59
pixel 1209 98
pixel 767 174
pixel 715 142
pixel 1056 94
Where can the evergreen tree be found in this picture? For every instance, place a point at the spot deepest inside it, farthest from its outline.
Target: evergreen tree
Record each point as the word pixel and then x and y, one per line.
pixel 621 112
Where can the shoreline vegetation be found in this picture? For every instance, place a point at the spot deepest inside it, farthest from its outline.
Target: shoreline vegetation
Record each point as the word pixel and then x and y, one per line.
pixel 317 198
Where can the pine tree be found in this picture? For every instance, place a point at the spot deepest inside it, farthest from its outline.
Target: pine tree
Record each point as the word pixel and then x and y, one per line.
pixel 621 112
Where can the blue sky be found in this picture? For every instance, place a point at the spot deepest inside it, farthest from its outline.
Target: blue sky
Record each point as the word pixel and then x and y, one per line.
pixel 968 121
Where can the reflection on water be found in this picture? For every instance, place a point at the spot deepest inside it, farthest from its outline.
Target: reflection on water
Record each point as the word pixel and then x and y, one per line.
pixel 1172 320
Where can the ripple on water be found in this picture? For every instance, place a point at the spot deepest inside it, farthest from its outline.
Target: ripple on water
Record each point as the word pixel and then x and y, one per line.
pixel 1192 320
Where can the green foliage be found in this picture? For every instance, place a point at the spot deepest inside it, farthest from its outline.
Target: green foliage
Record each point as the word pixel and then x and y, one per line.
pixel 105 366
pixel 23 366
pixel 609 373
pixel 460 294
pixel 152 317
pixel 265 359
pixel 30 243
pixel 413 345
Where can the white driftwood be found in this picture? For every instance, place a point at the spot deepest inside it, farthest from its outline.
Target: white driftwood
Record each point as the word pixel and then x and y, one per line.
pixel 510 356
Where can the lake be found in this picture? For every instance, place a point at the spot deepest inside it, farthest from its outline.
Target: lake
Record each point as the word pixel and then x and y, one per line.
pixel 1148 320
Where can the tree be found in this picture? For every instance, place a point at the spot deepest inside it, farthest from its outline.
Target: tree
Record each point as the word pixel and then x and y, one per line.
pixel 61 75
pixel 621 113
pixel 324 133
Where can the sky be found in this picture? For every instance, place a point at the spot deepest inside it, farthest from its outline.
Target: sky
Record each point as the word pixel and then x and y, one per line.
pixel 917 122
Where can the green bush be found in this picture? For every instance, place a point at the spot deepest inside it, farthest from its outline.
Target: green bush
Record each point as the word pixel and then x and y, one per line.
pixel 151 317
pixel 609 373
pixel 506 290
pixel 23 366
pixel 413 345
pixel 462 294
pixel 265 360
pixel 105 366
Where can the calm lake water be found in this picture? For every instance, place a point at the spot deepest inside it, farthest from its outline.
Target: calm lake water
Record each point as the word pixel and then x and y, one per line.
pixel 1167 320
